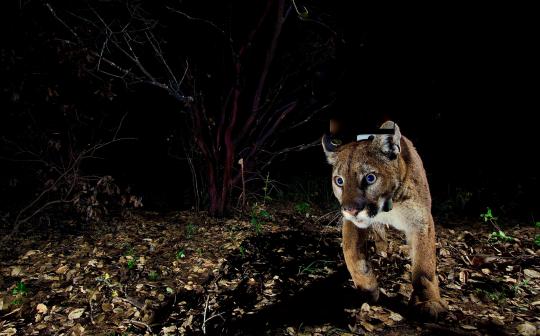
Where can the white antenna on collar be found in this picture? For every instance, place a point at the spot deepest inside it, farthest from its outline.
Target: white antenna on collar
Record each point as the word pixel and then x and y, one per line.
pixel 370 136
pixel 361 137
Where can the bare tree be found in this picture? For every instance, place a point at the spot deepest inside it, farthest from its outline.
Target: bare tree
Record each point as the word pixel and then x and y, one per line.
pixel 261 89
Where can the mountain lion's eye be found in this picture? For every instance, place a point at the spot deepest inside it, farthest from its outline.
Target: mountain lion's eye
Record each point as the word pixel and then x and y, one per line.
pixel 371 178
pixel 339 181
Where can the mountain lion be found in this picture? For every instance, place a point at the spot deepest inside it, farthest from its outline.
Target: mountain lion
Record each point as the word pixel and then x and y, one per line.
pixel 381 180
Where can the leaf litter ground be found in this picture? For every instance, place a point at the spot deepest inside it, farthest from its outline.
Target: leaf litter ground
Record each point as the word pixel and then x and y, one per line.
pixel 190 274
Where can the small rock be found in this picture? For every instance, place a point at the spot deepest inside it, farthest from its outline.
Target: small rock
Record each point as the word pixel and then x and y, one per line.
pixel 41 308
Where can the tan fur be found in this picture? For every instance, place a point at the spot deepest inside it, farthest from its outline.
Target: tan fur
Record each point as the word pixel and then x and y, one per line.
pixel 400 176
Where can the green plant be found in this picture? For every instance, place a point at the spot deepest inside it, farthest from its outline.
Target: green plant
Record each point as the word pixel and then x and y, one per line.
pixel 266 189
pixel 20 289
pixel 259 215
pixel 180 254
pixel 313 267
pixel 302 208
pixel 537 237
pixel 242 251
pixel 462 197
pixel 16 302
pixel 153 276
pixel 488 216
pixel 191 230
pixel 520 285
pixel 498 297
pixel 498 235
pixel 130 250
pixel 131 264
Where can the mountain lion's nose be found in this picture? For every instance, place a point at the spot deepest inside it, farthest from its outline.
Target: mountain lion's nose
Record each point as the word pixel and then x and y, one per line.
pixel 353 206
pixel 352 209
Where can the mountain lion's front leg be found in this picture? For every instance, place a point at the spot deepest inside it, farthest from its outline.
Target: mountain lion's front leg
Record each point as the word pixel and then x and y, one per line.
pixel 425 296
pixel 355 251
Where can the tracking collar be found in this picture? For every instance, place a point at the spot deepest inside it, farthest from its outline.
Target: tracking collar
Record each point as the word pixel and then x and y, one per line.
pixel 371 135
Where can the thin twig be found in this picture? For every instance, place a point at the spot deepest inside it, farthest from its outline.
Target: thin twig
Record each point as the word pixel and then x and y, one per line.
pixel 204 314
pixel 53 12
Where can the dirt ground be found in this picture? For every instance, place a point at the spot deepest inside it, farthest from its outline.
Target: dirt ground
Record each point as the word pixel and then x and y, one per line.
pixel 277 274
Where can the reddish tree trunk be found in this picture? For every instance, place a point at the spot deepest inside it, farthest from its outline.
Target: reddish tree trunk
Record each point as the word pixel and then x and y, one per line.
pixel 219 146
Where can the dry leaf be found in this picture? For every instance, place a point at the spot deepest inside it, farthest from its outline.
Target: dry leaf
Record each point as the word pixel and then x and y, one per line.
pixel 9 332
pixel 365 307
pixel 531 273
pixel 168 330
pixel 395 317
pixel 468 327
pixel 77 330
pixel 41 326
pixel 444 252
pixel 29 253
pixel 62 269
pixel 107 307
pixel 368 326
pixel 41 308
pixel 463 276
pixel 16 270
pixel 187 322
pixel 526 329
pixel 75 313
pixel 482 260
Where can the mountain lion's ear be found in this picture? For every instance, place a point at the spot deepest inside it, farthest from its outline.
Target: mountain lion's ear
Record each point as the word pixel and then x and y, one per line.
pixel 330 142
pixel 330 145
pixel 390 144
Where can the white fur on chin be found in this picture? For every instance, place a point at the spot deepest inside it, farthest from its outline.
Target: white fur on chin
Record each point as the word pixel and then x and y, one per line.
pixel 362 220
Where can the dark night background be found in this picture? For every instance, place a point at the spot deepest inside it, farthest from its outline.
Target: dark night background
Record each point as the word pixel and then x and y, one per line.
pixel 460 81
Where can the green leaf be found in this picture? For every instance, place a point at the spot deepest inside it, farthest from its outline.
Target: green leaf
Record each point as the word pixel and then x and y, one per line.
pixel 20 288
pixel 180 254
pixel 264 214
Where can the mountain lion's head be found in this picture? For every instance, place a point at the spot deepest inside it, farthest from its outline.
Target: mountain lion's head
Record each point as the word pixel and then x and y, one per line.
pixel 365 173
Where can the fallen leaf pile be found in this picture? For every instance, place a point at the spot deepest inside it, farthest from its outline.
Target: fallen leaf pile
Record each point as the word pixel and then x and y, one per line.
pixel 191 274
